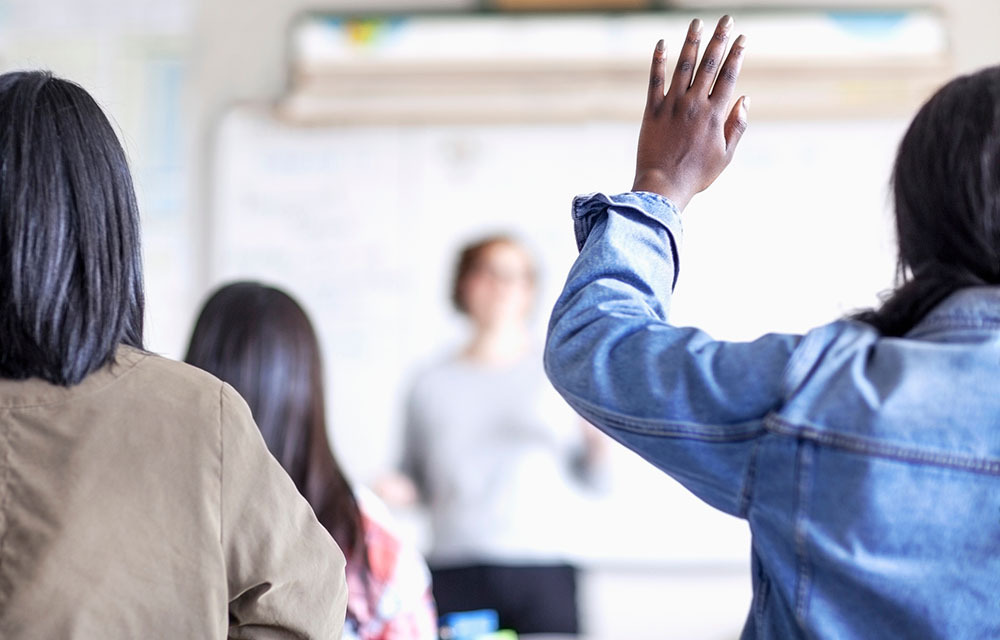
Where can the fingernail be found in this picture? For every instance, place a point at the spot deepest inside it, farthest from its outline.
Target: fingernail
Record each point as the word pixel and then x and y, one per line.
pixel 741 41
pixel 659 45
pixel 726 22
pixel 696 24
pixel 746 104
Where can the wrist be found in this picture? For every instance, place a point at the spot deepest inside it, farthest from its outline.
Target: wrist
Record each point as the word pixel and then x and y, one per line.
pixel 656 181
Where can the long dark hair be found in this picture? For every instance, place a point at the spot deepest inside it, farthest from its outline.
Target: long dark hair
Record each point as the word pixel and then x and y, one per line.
pixel 259 340
pixel 946 188
pixel 70 265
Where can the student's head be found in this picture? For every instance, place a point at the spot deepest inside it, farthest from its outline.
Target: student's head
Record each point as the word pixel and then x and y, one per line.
pixel 494 281
pixel 70 269
pixel 260 341
pixel 946 188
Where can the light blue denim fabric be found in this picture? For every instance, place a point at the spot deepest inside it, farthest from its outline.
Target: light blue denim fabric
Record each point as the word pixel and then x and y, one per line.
pixel 868 468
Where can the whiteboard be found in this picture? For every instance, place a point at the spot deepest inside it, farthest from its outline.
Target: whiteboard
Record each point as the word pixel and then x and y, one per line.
pixel 362 224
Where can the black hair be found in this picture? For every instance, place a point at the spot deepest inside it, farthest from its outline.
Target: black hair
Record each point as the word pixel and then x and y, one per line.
pixel 70 264
pixel 946 190
pixel 260 340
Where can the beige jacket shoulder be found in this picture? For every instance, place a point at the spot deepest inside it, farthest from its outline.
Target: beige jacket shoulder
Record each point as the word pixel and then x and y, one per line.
pixel 143 503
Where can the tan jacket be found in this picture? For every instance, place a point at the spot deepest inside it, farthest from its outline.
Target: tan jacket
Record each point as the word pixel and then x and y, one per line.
pixel 143 503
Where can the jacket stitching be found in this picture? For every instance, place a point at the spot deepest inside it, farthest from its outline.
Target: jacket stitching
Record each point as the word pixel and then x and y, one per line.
pixel 951 324
pixel 761 597
pixel 803 578
pixel 737 432
pixel 750 477
pixel 776 424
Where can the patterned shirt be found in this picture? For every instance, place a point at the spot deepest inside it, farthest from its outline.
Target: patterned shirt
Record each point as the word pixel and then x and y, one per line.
pixel 399 604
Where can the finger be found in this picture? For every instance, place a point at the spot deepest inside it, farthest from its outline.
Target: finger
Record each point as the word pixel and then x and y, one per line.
pixel 725 84
pixel 687 59
pixel 736 124
pixel 657 75
pixel 705 76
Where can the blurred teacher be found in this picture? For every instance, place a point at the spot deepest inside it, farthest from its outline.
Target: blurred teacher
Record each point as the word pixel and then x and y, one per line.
pixel 496 455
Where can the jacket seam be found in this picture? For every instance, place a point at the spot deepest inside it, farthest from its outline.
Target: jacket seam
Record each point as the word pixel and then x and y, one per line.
pixel 737 432
pixel 944 325
pixel 803 570
pixel 799 362
pixel 749 478
pixel 761 596
pixel 780 426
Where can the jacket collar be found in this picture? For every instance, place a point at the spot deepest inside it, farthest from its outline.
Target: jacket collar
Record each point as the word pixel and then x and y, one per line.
pixel 969 308
pixel 35 392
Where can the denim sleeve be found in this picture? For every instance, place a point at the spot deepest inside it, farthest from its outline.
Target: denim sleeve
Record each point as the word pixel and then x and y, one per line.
pixel 690 405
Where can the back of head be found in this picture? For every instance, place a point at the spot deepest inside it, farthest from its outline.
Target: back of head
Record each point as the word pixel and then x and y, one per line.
pixel 946 188
pixel 259 340
pixel 70 266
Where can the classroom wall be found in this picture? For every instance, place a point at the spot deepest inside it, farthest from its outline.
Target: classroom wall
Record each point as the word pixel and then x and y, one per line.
pixel 251 36
pixel 238 55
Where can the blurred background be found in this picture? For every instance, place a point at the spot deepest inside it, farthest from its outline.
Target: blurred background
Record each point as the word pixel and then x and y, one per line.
pixel 346 150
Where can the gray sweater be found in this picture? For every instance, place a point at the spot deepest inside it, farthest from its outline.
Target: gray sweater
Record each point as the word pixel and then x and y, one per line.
pixel 497 456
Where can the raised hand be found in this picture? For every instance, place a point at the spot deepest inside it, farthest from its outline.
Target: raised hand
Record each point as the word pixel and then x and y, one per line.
pixel 689 134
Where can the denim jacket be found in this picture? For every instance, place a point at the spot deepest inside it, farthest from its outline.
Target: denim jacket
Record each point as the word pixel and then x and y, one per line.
pixel 868 468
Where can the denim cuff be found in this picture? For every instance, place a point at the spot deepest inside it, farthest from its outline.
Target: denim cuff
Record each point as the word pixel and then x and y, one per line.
pixel 586 209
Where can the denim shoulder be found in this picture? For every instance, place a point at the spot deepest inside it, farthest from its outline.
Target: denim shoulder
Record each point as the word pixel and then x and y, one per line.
pixel 824 349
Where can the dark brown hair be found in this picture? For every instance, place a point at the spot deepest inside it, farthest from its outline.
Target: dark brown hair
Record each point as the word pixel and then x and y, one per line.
pixel 259 340
pixel 472 253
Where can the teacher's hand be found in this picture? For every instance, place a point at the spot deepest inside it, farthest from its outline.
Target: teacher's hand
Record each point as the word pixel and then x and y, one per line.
pixel 689 134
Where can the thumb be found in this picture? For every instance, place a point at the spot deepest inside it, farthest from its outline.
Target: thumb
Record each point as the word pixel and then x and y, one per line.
pixel 736 124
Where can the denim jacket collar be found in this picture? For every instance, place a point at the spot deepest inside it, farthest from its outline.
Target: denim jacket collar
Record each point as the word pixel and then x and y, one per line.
pixel 969 308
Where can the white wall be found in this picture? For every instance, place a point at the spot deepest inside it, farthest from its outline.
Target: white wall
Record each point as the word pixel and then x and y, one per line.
pixel 133 57
pixel 239 51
